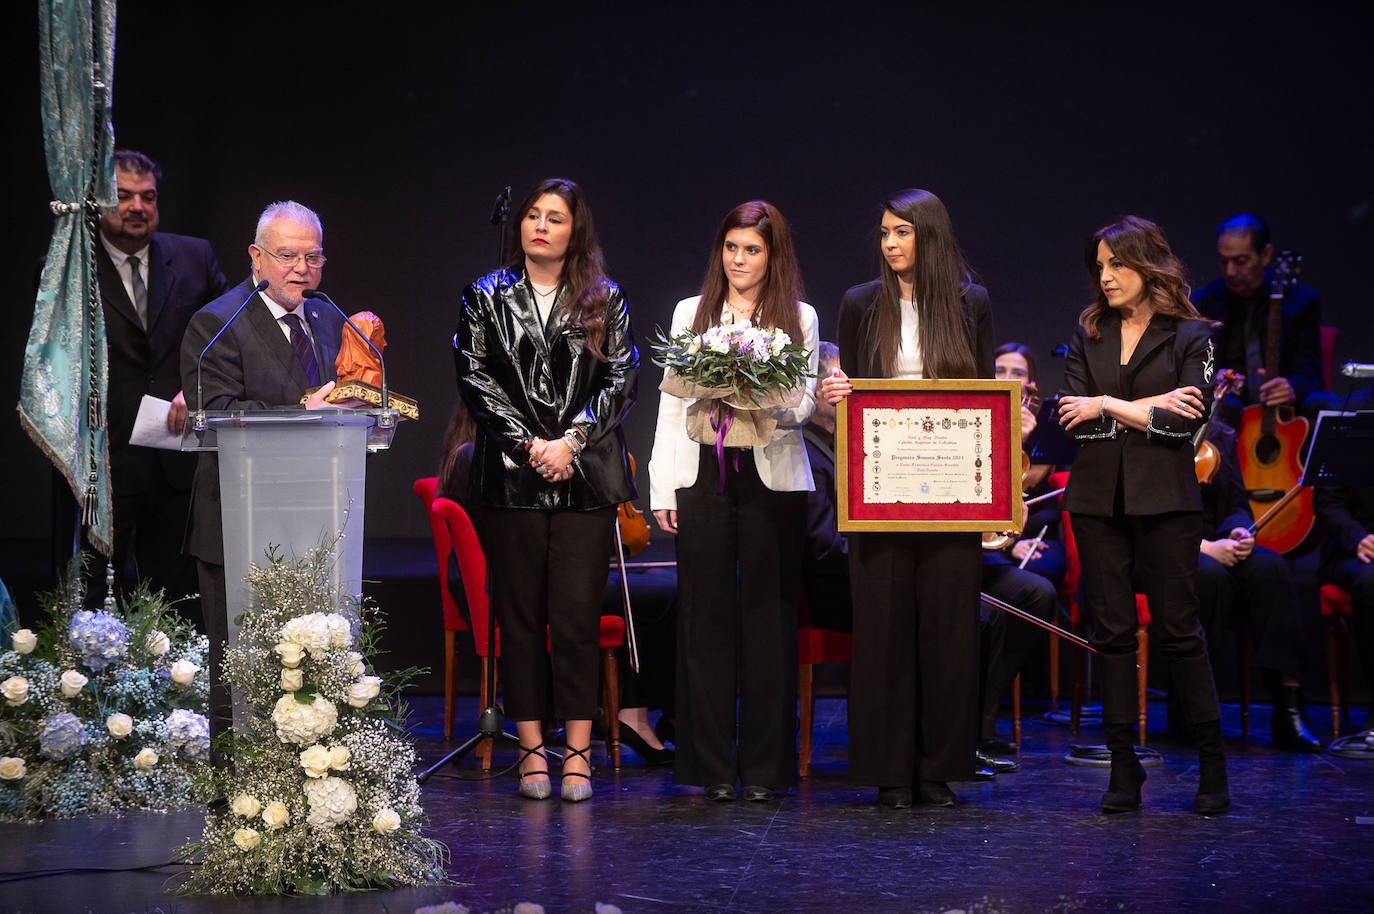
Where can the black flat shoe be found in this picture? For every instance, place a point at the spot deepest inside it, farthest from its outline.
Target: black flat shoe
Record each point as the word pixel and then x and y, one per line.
pixel 758 794
pixel 936 793
pixel 651 756
pixel 720 793
pixel 895 797
pixel 999 765
pixel 996 746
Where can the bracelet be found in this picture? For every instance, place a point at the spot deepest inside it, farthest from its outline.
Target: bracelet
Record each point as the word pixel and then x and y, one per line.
pixel 572 443
pixel 577 433
pixel 1102 408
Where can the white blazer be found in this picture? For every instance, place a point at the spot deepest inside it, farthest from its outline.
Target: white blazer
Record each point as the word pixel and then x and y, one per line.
pixel 782 462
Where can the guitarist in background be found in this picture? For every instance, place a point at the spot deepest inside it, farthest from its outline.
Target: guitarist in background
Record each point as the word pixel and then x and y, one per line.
pixel 1239 299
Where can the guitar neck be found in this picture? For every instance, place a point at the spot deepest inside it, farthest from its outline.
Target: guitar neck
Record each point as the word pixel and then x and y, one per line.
pixel 1273 340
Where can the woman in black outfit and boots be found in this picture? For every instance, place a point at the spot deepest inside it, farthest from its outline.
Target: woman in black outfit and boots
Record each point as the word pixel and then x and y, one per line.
pixel 913 700
pixel 547 365
pixel 1137 385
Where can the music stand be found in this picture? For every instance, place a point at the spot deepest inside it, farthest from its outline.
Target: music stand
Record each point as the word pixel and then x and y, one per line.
pixel 1342 450
pixel 1048 444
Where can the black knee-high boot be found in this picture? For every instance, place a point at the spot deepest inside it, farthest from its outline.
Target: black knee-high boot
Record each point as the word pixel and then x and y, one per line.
pixel 1118 719
pixel 1197 692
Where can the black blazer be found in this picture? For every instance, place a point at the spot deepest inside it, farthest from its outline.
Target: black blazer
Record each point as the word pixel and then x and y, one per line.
pixel 1154 467
pixel 183 276
pixel 858 307
pixel 523 381
pixel 251 367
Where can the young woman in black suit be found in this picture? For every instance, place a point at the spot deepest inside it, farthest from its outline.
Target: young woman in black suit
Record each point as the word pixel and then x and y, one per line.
pixel 913 700
pixel 1137 384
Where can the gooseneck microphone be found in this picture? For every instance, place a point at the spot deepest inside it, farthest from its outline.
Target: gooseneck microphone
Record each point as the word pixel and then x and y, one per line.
pixel 199 423
pixel 384 420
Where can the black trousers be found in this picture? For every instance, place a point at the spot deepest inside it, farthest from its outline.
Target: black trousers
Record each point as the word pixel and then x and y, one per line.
pixel 739 579
pixel 547 572
pixel 1158 552
pixel 1258 594
pixel 1011 641
pixel 913 695
pixel 215 613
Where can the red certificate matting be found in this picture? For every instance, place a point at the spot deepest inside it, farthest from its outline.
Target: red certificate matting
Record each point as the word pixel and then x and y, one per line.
pixel 998 505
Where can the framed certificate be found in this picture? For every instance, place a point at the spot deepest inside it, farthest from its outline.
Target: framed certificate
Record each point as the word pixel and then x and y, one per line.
pixel 922 456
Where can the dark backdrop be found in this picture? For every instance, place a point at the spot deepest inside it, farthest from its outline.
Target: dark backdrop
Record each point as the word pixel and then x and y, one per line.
pixel 399 123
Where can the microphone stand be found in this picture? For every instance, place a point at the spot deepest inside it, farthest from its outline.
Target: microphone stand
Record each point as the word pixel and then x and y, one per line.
pixel 491 721
pixel 199 422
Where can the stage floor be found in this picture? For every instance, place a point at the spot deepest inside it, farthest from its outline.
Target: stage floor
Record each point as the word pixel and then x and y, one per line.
pixel 1299 837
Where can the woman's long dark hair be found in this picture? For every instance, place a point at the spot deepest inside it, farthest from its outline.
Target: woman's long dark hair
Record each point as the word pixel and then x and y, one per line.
pixel 776 305
pixel 942 275
pixel 1142 246
pixel 585 293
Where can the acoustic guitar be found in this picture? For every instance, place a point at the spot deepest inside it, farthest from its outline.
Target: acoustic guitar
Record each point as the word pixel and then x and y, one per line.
pixel 1270 438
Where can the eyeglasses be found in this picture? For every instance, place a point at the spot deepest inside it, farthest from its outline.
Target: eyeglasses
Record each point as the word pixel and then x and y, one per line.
pixel 314 260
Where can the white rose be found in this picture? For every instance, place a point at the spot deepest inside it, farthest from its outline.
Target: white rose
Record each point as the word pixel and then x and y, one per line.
pixel 119 725
pixel 364 690
pixel 145 759
pixel 291 653
pixel 291 679
pixel 25 641
pixel 356 667
pixel 247 838
pixel 338 758
pixel 184 672
pixel 72 681
pixel 11 768
pixel 386 821
pixel 310 631
pixel 157 643
pixel 15 689
pixel 315 761
pixel 275 815
pixel 246 805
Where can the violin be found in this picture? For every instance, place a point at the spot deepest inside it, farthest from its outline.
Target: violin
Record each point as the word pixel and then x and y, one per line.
pixel 1030 399
pixel 634 529
pixel 1206 458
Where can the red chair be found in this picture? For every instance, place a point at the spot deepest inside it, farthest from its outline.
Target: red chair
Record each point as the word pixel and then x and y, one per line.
pixel 426 488
pixel 1077 618
pixel 814 645
pixel 472 564
pixel 1335 610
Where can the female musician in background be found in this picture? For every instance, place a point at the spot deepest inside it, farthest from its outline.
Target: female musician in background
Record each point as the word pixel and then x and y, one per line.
pixel 547 365
pixel 741 527
pixel 1137 384
pixel 913 699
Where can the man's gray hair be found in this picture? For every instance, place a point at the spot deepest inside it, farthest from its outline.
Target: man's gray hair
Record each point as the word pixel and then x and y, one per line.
pixel 288 209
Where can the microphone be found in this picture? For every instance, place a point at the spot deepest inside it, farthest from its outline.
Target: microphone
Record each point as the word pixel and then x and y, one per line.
pixel 501 210
pixel 1358 369
pixel 384 420
pixel 199 424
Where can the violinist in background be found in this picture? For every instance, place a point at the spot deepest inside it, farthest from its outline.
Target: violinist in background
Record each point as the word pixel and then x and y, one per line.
pixel 1249 585
pixel 1008 642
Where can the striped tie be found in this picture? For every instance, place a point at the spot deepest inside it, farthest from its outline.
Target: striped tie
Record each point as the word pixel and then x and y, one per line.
pixel 300 344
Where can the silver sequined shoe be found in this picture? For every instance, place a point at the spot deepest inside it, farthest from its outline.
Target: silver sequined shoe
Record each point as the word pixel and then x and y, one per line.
pixel 535 790
pixel 577 790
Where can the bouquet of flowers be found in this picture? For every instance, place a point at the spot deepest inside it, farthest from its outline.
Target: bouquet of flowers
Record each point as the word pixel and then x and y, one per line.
pixel 103 710
pixel 736 373
pixel 323 796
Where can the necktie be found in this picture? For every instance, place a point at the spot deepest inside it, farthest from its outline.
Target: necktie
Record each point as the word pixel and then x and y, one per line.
pixel 300 343
pixel 140 291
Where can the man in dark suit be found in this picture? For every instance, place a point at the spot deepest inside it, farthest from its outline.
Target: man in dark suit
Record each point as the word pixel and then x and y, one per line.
pixel 267 358
pixel 151 283
pixel 1239 299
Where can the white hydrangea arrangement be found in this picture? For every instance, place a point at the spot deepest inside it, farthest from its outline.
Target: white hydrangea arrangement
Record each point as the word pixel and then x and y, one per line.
pixel 102 710
pixel 323 796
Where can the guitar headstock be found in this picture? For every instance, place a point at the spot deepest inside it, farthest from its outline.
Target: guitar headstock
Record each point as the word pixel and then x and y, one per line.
pixel 1286 266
